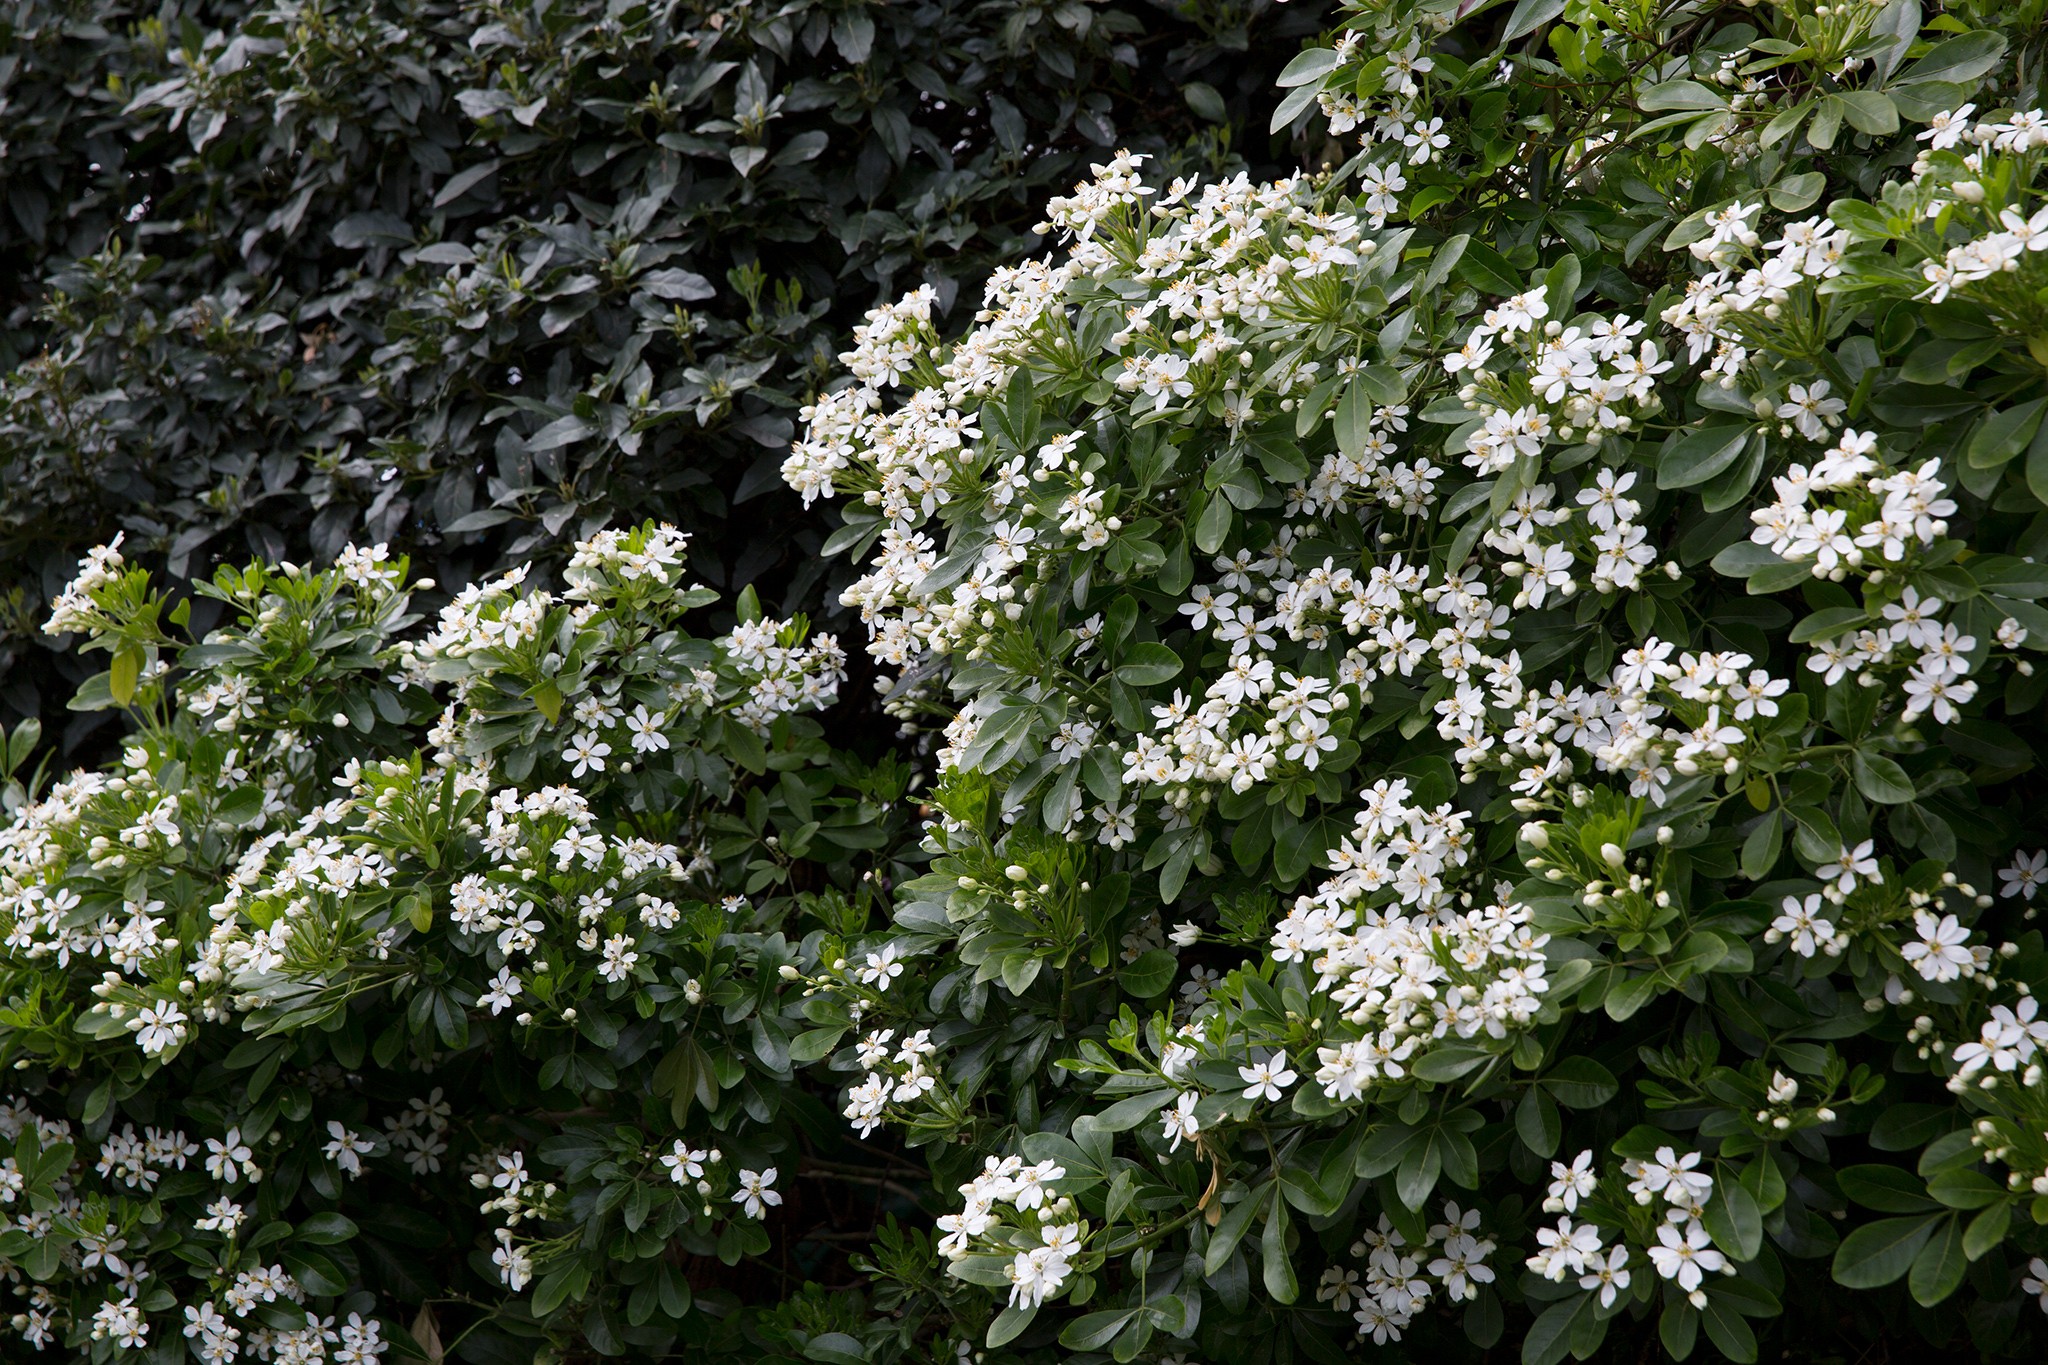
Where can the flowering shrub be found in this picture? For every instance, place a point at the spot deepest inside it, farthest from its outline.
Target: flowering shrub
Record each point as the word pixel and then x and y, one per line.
pixel 1485 756
pixel 475 278
pixel 1475 713
pixel 374 926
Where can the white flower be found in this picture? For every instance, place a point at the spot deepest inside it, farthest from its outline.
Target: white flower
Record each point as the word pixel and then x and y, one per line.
pixel 1851 864
pixel 1810 409
pixel 1037 1275
pixel 587 753
pixel 1607 1276
pixel 2026 876
pixel 1803 924
pixel 2036 1281
pixel 1939 954
pixel 503 987
pixel 646 731
pixel 1678 1178
pixel 1178 1121
pixel 685 1163
pixel 1684 1255
pixel 515 1267
pixel 348 1149
pixel 882 967
pixel 619 958
pixel 754 1194
pixel 228 1158
pixel 223 1215
pixel 1267 1078
pixel 158 1027
pixel 122 1321
pixel 1570 1184
pixel 1566 1248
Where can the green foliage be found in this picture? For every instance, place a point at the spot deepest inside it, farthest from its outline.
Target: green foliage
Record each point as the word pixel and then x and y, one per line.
pixel 1496 663
pixel 473 280
pixel 386 910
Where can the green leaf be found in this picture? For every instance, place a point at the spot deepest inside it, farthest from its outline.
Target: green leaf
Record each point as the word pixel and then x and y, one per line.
pixel 1960 1187
pixel 1528 16
pixel 1734 1221
pixel 1417 1174
pixel 834 1348
pixel 1009 1325
pixel 1938 1269
pixel 1680 95
pixel 2004 434
pixel 1230 1228
pixel 1907 1127
pixel 1878 1253
pixel 1381 383
pixel 324 1229
pixel 1149 974
pixel 1868 111
pixel 813 1045
pixel 1537 1122
pixel 1275 1264
pixel 1581 1083
pixel 1761 849
pixel 1448 1062
pixel 1213 526
pixel 1726 1329
pixel 1987 1229
pixel 313 1270
pixel 1629 996
pixel 1092 1331
pixel 1827 121
pixel 547 699
pixel 2037 465
pixel 1146 665
pixel 123 674
pixel 1880 779
pixel 1561 286
pixel 1700 454
pixel 1888 1189
pixel 1487 270
pixel 1827 623
pixel 1962 60
pixel 1310 65
pixel 22 743
pixel 1796 192
pixel 1550 1336
pixel 1205 101
pixel 1678 1328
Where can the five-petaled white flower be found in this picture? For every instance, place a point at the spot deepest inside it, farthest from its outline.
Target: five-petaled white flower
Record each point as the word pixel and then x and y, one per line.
pixel 1609 1276
pixel 2027 875
pixel 1178 1121
pixel 754 1195
pixel 1684 1255
pixel 1267 1077
pixel 1941 952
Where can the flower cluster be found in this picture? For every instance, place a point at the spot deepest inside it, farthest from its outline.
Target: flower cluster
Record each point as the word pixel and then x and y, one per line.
pixel 1400 1279
pixel 508 834
pixel 1010 1207
pixel 1677 1244
pixel 88 1222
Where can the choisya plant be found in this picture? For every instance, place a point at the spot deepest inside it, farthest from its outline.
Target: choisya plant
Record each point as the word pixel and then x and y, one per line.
pixel 426 983
pixel 1486 764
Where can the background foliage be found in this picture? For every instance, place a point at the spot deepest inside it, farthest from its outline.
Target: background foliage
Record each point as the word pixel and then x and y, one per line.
pixel 470 279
